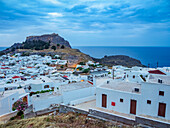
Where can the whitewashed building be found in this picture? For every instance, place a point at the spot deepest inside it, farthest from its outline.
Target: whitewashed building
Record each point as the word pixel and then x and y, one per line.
pixel 8 98
pixel 147 98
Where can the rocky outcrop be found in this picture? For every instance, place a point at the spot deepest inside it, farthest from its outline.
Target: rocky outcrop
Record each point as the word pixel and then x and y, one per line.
pixel 119 60
pixel 53 38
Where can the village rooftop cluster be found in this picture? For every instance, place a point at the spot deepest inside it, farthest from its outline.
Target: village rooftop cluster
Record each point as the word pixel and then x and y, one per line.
pixel 47 82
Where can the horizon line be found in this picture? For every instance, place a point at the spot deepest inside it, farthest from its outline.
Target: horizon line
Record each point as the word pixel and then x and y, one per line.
pixel 103 46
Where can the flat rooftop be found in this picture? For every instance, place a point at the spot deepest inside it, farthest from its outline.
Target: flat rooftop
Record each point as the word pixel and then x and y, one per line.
pixel 10 92
pixel 45 96
pixel 75 86
pixel 121 86
pixel 154 79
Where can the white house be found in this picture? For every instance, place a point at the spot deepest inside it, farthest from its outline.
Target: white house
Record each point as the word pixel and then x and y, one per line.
pixel 8 98
pixel 147 98
pixel 39 84
pixel 68 94
pixel 61 62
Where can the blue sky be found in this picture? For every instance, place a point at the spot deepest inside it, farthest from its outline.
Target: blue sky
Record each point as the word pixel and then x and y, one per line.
pixel 88 22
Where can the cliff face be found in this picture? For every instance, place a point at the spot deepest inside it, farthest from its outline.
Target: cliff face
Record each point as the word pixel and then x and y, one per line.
pixel 53 38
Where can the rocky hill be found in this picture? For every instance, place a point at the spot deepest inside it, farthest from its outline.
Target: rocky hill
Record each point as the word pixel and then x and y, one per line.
pixel 53 38
pixel 119 60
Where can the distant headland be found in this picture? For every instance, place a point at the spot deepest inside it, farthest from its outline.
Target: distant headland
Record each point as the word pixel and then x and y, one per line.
pixel 52 44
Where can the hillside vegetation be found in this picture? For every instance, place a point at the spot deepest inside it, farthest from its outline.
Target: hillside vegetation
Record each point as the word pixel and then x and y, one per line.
pixel 70 120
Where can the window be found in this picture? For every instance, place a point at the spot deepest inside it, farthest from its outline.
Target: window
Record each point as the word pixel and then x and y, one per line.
pixel 161 93
pixel 133 76
pixel 121 100
pixel 148 101
pixel 159 81
pixel 46 86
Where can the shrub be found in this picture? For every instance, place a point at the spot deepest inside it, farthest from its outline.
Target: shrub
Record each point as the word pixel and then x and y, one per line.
pixel 12 118
pixel 48 64
pixel 62 47
pixel 80 68
pixel 82 63
pixel 22 116
pixel 20 113
pixel 13 109
pixel 36 44
pixel 53 47
pixel 48 119
pixel 19 105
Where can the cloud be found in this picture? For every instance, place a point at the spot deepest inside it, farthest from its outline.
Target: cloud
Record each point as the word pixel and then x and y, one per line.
pixel 53 2
pixel 55 14
pixel 105 20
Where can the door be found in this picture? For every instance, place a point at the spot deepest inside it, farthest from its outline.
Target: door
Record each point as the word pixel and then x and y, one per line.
pixel 133 107
pixel 162 109
pixel 104 100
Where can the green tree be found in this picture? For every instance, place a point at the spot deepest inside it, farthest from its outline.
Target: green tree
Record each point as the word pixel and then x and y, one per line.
pixel 58 45
pixel 53 47
pixel 86 70
pixel 80 68
pixel 82 63
pixel 62 47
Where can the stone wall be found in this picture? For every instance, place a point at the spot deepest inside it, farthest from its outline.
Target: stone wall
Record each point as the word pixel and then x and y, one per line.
pixel 152 122
pixel 66 109
pixel 113 117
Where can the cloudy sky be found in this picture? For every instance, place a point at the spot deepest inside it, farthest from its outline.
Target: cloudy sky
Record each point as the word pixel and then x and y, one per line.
pixel 88 22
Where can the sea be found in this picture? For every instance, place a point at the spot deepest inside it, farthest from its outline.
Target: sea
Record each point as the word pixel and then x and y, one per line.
pixel 147 55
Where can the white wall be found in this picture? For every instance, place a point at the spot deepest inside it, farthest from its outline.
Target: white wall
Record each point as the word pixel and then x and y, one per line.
pixel 151 92
pixel 36 87
pixel 114 96
pixel 45 103
pixel 65 98
pixel 7 102
pixel 77 94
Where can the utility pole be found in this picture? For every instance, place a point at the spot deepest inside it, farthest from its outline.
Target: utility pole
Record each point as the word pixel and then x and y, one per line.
pixel 113 74
pixel 148 65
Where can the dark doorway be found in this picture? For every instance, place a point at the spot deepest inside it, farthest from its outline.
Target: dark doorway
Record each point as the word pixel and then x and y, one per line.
pixel 104 100
pixel 162 109
pixel 133 107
